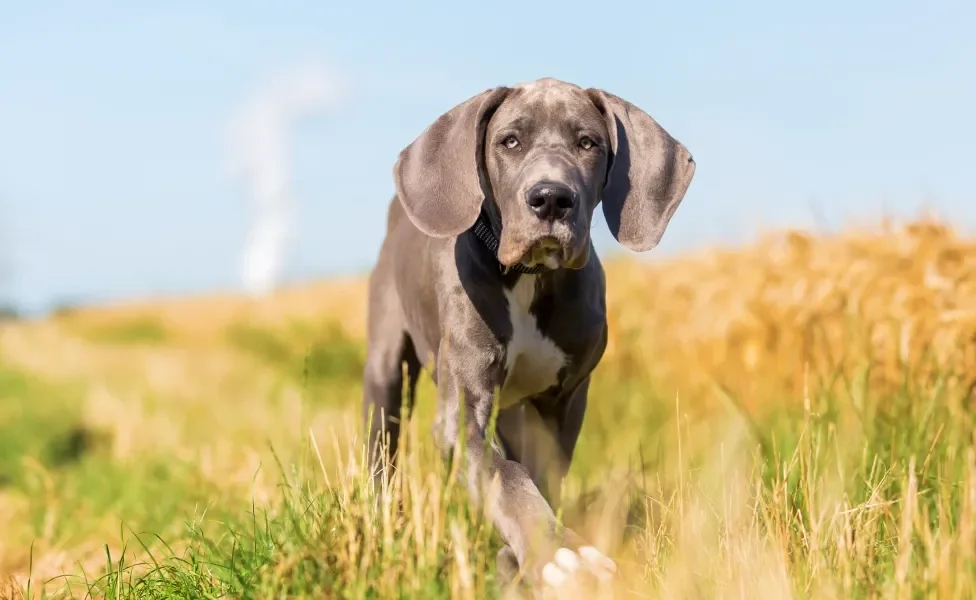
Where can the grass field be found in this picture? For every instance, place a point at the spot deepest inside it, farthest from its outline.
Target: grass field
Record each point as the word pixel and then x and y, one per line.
pixel 789 420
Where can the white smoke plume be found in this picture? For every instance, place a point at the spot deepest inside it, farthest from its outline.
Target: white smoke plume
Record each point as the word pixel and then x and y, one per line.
pixel 260 158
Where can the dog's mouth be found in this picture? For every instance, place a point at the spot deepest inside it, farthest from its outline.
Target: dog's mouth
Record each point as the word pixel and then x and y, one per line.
pixel 551 250
pixel 547 252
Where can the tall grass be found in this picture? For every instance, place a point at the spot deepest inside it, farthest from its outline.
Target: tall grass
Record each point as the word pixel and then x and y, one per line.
pixel 830 504
pixel 743 440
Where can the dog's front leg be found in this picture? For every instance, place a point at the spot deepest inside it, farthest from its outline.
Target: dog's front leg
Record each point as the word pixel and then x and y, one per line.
pixel 504 488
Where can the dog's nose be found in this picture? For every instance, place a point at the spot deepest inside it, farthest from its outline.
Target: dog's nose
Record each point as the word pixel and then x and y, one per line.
pixel 551 201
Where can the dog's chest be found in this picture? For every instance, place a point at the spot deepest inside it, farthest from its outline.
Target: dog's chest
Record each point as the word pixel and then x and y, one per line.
pixel 532 360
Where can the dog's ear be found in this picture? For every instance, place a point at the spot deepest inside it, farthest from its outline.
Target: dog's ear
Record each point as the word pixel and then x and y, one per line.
pixel 648 173
pixel 439 176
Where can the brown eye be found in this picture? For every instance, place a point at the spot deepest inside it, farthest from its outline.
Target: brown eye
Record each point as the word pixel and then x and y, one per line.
pixel 511 142
pixel 586 143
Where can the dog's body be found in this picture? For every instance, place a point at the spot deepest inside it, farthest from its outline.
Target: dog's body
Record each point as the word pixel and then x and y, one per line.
pixel 487 275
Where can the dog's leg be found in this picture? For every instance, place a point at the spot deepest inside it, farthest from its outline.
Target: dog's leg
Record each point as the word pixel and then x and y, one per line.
pixel 388 348
pixel 550 464
pixel 542 436
pixel 530 441
pixel 507 569
pixel 502 487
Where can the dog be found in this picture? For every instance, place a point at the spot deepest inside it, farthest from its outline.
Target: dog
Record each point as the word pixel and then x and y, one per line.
pixel 487 277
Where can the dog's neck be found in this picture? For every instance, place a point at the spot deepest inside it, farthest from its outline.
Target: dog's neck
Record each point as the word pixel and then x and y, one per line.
pixel 485 229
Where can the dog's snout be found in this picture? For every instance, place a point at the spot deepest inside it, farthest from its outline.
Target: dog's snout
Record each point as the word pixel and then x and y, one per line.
pixel 551 201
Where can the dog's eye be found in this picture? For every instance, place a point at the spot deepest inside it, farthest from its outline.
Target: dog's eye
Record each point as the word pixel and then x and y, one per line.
pixel 586 143
pixel 511 142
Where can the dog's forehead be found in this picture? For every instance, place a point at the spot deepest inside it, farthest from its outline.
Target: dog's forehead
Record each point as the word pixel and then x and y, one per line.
pixel 547 97
pixel 549 90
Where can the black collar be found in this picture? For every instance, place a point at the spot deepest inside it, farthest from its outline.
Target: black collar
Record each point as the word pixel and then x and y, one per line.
pixel 482 230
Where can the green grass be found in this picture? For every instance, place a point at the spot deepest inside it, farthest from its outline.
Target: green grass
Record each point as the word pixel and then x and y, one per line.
pixel 142 331
pixel 70 488
pixel 846 495
pixel 303 353
pixel 36 421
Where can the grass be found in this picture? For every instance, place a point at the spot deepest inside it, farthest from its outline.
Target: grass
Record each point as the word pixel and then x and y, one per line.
pixel 306 354
pixel 770 422
pixel 137 331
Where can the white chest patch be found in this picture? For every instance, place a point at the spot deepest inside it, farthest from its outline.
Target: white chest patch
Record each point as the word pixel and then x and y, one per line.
pixel 533 361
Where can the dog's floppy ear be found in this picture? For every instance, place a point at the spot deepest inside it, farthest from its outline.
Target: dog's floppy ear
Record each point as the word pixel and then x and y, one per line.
pixel 439 176
pixel 648 173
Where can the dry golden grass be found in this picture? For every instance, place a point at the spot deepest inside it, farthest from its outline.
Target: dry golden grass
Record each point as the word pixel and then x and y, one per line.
pixel 758 320
pixel 898 295
pixel 789 419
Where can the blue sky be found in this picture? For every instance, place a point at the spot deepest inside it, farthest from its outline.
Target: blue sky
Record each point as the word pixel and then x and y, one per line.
pixel 112 149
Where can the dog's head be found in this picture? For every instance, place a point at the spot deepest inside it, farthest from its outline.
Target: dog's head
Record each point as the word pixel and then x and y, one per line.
pixel 545 154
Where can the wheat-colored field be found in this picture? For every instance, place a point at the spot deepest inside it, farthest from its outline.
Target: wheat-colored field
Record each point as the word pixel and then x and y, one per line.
pixel 792 419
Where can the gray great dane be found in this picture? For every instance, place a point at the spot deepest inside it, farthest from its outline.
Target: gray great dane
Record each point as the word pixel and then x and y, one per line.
pixel 487 276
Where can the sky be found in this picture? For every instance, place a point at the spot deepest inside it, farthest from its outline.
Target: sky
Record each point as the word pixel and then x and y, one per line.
pixel 117 172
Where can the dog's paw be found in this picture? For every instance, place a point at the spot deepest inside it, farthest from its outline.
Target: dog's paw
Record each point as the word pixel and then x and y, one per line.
pixel 569 567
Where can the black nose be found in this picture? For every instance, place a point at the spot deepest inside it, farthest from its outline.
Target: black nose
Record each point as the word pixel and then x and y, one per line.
pixel 551 201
